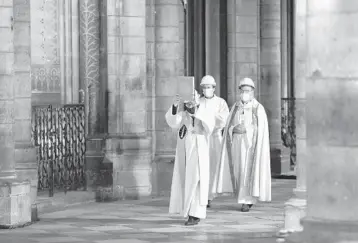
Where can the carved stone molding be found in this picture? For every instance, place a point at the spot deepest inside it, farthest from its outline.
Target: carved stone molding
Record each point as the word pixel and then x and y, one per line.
pixel 90 59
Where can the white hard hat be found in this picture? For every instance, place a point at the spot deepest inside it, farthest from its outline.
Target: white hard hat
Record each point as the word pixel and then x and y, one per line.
pixel 208 80
pixel 247 82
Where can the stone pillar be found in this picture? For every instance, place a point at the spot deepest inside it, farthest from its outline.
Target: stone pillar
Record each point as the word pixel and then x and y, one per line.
pixel 7 104
pixel 25 152
pixel 90 83
pixel 295 208
pixel 150 42
pixel 89 60
pixel 243 45
pixel 169 64
pixel 15 202
pixel 168 67
pixel 331 122
pixel 128 146
pixel 270 82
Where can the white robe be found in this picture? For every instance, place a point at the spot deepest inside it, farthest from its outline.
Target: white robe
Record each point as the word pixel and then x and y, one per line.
pixel 220 109
pixel 233 162
pixel 190 182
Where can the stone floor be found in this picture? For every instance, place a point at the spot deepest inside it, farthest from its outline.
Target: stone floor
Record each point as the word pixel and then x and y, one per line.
pixel 147 221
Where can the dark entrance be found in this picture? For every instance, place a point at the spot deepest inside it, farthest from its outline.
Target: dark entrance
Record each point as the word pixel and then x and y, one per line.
pixel 58 131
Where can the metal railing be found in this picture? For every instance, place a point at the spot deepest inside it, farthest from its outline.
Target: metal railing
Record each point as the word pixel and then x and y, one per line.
pixel 58 132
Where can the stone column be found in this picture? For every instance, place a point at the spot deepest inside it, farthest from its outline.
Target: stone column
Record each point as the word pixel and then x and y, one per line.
pixel 150 42
pixel 169 64
pixel 128 146
pixel 25 152
pixel 15 203
pixel 7 104
pixel 270 81
pixel 295 208
pixel 89 60
pixel 243 45
pixel 168 67
pixel 90 82
pixel 331 122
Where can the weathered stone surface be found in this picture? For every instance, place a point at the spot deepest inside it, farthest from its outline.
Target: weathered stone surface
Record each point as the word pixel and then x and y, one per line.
pixel 169 60
pixel 15 203
pixel 128 98
pixel 90 59
pixel 332 208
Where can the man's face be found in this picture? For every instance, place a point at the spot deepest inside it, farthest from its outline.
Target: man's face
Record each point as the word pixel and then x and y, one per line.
pixel 208 90
pixel 246 93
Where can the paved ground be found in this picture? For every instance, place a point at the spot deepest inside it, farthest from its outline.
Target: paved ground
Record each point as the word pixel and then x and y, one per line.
pixel 148 222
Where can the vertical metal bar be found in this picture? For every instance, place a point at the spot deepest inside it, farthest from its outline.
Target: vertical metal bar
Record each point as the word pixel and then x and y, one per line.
pixel 83 145
pixel 50 148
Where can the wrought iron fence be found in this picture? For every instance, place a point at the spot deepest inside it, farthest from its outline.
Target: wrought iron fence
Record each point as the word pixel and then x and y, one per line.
pixel 288 127
pixel 59 134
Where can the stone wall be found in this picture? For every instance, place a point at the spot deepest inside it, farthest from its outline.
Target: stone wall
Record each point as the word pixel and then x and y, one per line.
pixel 243 45
pixel 169 65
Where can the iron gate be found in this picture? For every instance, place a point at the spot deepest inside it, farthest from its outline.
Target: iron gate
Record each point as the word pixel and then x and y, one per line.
pixel 59 134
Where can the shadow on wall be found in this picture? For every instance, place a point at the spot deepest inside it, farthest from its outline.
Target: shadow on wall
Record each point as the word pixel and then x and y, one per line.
pixel 130 169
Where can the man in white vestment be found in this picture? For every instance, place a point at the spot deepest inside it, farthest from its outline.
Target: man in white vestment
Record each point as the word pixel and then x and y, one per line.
pixel 190 183
pixel 246 151
pixel 220 109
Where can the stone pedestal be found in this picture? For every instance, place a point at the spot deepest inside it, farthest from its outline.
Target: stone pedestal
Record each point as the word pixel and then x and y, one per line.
pixel 128 147
pixel 15 203
pixel 131 157
pixel 331 123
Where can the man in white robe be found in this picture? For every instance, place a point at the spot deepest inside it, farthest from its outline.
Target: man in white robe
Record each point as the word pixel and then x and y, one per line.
pixel 190 183
pixel 246 151
pixel 220 109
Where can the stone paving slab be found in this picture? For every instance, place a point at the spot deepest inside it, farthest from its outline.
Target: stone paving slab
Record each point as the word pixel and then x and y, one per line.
pixel 147 221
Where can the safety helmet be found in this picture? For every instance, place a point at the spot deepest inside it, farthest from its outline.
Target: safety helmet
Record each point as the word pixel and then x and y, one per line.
pixel 247 82
pixel 208 80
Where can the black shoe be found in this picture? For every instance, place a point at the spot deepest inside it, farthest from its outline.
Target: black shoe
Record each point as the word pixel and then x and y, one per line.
pixel 192 221
pixel 209 204
pixel 245 208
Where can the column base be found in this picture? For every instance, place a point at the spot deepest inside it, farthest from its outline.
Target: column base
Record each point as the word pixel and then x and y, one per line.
pixel 280 160
pixel 27 169
pixel 95 171
pixel 323 231
pixel 132 166
pixel 295 210
pixel 15 203
pixel 162 174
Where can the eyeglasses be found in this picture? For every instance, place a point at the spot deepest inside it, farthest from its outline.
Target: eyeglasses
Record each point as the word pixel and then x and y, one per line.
pixel 245 91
